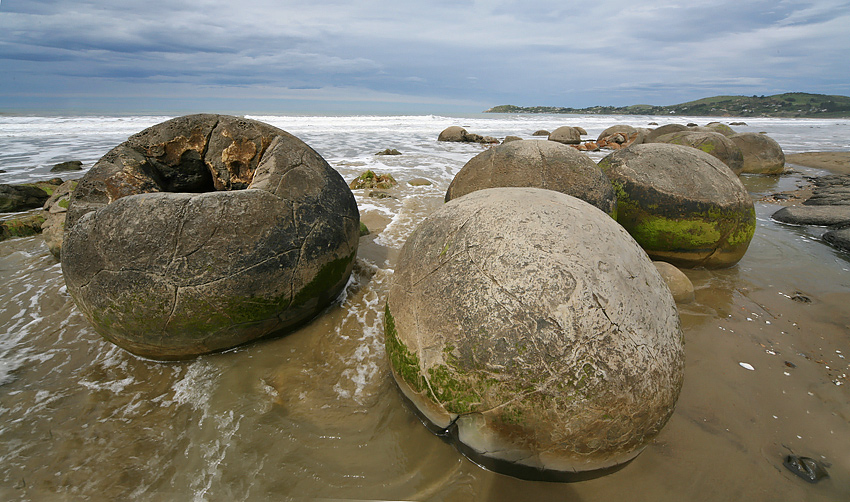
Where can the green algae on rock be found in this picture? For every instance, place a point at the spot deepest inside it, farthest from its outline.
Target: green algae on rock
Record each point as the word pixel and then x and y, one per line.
pixel 371 180
pixel 515 317
pixel 206 232
pixel 681 205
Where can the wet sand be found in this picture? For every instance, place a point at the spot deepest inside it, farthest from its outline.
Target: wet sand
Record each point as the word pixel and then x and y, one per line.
pixel 834 162
pixel 316 415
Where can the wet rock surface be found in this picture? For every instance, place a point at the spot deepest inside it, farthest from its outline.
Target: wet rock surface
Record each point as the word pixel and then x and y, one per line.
pixel 538 164
pixel 15 198
pixel 21 226
pixel 55 210
pixel 682 205
pixel 533 326
pixel 566 135
pixel 168 257
pixel 458 134
pixel 828 205
pixel 71 165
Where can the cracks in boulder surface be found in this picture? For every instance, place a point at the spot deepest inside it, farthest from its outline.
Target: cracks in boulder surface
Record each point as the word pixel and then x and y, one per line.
pixel 181 217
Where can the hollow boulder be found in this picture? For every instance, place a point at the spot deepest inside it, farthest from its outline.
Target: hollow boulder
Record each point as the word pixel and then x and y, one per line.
pixel 206 232
pixel 681 204
pixel 761 153
pixel 531 325
pixel 536 163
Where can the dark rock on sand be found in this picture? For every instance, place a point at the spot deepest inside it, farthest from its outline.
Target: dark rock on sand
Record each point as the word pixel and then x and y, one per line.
pixel 14 198
pixel 807 468
pixel 419 182
pixel 71 165
pixel 839 238
pixel 539 164
pixel 513 316
pixel 681 204
pixel 168 274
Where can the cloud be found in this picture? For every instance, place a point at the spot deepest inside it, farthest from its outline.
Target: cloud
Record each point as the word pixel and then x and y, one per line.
pixel 472 51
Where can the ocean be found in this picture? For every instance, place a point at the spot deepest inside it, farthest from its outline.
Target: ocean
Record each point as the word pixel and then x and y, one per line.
pixel 316 415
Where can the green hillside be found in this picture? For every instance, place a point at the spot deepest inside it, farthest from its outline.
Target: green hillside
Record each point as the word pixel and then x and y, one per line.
pixel 791 104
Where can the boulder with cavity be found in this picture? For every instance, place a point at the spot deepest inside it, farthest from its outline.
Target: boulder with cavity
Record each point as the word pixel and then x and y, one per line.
pixel 205 232
pixel 533 327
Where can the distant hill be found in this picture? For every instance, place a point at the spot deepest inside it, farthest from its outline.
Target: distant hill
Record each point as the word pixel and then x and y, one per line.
pixel 790 104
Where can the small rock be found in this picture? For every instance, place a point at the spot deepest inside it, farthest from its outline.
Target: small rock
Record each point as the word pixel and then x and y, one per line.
pixel 807 468
pixel 680 285
pixel 14 198
pixel 371 180
pixel 800 298
pixel 381 195
pixel 566 135
pixel 21 226
pixel 71 165
pixel 508 139
pixel 389 151
pixel 541 132
pixel 813 215
pixel 364 230
pixel 419 182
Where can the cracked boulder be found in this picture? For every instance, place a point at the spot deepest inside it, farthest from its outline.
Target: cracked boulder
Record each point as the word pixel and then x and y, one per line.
pixel 682 205
pixel 532 327
pixel 206 232
pixel 536 163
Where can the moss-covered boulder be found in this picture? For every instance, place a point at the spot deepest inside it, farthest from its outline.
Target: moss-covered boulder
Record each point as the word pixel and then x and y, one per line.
pixel 762 154
pixel 206 232
pixel 566 135
pixel 371 180
pixel 712 143
pixel 682 205
pixel 23 225
pixel 534 327
pixel 14 198
pixel 536 163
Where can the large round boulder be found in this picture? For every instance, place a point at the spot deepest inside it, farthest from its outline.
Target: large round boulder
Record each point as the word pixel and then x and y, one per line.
pixel 540 164
pixel 532 325
pixel 206 232
pixel 681 204
pixel 762 154
pixel 565 134
pixel 665 129
pixel 712 143
pixel 721 128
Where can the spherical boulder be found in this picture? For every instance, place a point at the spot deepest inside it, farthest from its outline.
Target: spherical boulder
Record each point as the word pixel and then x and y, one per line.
pixel 665 129
pixel 680 285
pixel 453 134
pixel 721 128
pixel 712 143
pixel 540 164
pixel 206 232
pixel 762 154
pixel 681 204
pixel 534 326
pixel 566 135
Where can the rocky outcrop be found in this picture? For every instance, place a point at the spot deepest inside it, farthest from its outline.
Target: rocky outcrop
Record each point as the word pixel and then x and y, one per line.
pixel 682 205
pixel 761 153
pixel 828 206
pixel 529 324
pixel 206 232
pixel 539 164
pixel 712 143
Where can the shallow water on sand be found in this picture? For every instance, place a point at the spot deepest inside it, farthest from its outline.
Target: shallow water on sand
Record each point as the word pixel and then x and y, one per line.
pixel 315 414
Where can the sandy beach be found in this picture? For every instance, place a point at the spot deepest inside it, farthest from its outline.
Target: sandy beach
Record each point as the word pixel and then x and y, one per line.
pixel 834 162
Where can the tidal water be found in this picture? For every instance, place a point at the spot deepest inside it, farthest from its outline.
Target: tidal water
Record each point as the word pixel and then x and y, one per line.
pixel 316 415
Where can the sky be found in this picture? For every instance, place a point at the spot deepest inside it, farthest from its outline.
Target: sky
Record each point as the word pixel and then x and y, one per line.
pixel 398 56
